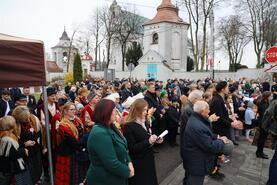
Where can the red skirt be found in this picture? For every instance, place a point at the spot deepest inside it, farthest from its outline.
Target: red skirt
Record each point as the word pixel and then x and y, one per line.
pixel 63 171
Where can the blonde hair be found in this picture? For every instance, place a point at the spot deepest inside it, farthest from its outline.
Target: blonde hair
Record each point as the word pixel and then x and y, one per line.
pixel 66 108
pixel 207 95
pixel 184 100
pixel 7 123
pixel 136 109
pixel 21 114
pixel 83 91
pixel 8 127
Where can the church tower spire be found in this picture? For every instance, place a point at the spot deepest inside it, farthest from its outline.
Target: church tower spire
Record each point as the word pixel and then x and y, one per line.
pixel 166 12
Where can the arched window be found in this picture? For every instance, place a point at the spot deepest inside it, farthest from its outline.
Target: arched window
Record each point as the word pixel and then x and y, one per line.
pixel 155 38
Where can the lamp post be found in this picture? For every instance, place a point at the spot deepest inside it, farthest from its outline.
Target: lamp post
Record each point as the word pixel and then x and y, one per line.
pixel 211 20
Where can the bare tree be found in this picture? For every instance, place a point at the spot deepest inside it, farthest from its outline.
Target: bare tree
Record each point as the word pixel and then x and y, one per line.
pixel 194 19
pixel 110 22
pixel 96 28
pixel 128 29
pixel 83 41
pixel 70 49
pixel 234 38
pixel 259 13
pixel 199 12
pixel 271 25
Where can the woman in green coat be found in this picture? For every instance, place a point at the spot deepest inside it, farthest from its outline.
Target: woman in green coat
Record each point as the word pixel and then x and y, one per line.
pixel 110 163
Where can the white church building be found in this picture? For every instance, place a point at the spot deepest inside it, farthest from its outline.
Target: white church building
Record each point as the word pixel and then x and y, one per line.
pixel 57 63
pixel 164 42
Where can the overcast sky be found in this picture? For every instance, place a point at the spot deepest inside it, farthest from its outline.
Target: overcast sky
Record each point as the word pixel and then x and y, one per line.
pixel 45 19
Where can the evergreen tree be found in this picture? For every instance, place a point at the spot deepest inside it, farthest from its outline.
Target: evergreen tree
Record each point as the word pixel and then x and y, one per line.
pixel 77 69
pixel 133 54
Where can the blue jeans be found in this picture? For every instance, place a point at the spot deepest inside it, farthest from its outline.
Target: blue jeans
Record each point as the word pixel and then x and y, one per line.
pixel 273 170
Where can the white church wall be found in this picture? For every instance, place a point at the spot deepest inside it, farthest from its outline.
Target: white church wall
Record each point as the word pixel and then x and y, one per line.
pixel 50 76
pixel 165 47
pixel 164 74
pixel 116 55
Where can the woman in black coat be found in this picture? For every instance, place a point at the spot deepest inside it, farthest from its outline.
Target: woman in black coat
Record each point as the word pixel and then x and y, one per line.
pixel 140 142
pixel 262 106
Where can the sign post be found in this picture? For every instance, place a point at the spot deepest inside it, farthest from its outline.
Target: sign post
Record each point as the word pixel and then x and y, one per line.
pixel 131 67
pixel 271 58
pixel 271 55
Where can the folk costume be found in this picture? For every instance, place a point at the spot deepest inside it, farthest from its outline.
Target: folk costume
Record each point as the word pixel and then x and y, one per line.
pixel 68 136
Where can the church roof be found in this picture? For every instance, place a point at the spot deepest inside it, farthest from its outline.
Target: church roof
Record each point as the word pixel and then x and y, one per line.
pixel 166 12
pixel 64 36
pixel 52 67
pixel 139 19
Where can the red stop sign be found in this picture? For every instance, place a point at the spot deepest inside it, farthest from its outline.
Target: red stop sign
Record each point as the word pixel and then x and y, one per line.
pixel 271 55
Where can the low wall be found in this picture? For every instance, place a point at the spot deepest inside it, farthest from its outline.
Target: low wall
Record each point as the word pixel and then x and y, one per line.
pixel 248 73
pixel 50 76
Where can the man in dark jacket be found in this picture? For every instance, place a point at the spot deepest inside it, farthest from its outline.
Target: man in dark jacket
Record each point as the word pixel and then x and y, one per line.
pixel 126 92
pixel 200 145
pixel 31 101
pixel 187 111
pixel 153 101
pixel 6 105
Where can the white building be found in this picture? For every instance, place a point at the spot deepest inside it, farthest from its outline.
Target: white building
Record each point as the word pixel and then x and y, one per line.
pixel 87 64
pixel 60 52
pixel 164 42
pixel 57 65
pixel 116 55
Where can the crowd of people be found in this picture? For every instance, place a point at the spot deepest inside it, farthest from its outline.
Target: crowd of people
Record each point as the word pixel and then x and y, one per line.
pixel 103 132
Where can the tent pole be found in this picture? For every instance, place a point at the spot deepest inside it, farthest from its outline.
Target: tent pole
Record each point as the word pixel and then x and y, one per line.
pixel 45 101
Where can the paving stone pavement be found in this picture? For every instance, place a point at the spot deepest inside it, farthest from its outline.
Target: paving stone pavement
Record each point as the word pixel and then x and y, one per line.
pixel 244 169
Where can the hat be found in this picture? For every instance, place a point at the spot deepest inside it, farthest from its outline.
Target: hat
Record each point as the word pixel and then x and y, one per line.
pixel 228 148
pixel 232 89
pixel 171 86
pixel 138 96
pixel 62 101
pixel 144 88
pixel 20 97
pixel 112 97
pixel 163 93
pixel 50 91
pixel 158 88
pixel 127 104
pixel 91 96
pixel 221 85
pixel 151 80
pixel 250 104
